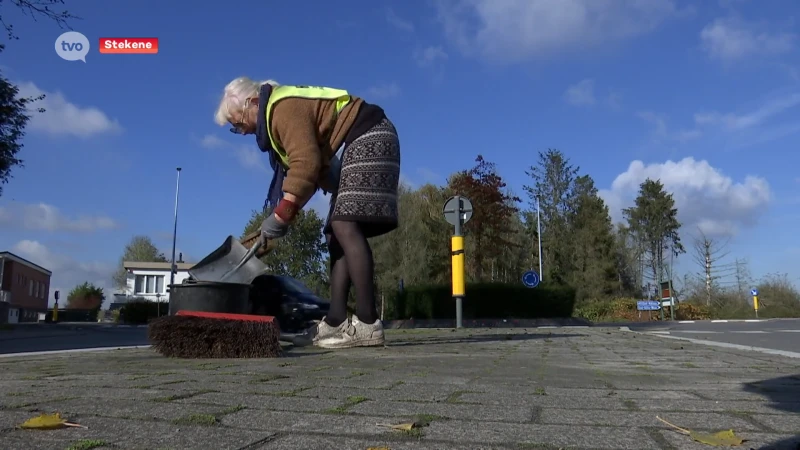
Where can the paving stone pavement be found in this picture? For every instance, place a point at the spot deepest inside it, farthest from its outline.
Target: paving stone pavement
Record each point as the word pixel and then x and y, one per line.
pixel 562 388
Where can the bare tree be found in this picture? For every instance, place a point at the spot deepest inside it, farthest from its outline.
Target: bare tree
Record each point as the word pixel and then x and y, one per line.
pixel 707 253
pixel 743 278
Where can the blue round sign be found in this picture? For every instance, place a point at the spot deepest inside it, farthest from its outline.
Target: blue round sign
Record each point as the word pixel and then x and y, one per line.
pixel 530 279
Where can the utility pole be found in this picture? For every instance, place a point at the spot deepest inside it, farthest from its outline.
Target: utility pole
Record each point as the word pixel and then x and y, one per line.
pixel 539 236
pixel 173 268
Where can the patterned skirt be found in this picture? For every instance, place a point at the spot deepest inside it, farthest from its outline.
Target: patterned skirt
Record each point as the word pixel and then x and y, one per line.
pixel 368 183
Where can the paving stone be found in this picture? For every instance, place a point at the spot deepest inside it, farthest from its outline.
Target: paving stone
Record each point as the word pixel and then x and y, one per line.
pixel 581 389
pixel 760 441
pixel 706 405
pixel 270 402
pixel 782 423
pixel 698 421
pixel 453 411
pixel 337 424
pixel 553 435
pixel 314 442
pixel 545 401
pixel 125 409
pixel 134 435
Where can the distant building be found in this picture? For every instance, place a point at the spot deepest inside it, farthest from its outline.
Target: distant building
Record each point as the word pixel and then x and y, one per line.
pixel 149 281
pixel 24 289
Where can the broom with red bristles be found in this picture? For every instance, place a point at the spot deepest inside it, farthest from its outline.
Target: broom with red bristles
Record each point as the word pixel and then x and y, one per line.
pixel 199 334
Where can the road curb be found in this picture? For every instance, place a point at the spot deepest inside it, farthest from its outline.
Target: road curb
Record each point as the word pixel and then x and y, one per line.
pixel 74 350
pixel 722 321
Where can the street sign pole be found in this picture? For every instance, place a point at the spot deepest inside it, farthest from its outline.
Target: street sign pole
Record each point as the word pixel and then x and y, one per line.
pixel 457 211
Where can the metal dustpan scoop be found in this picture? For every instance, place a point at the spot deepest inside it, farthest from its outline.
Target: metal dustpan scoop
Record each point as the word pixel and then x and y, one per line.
pixel 232 262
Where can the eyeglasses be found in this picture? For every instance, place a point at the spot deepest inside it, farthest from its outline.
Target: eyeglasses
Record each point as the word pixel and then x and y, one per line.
pixel 238 127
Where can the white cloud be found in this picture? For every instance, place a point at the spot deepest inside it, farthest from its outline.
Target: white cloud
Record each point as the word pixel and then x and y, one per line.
pixel 398 22
pixel 62 118
pixel 44 217
pixel 67 272
pixel 732 39
pixel 704 196
pixel 516 30
pixel 430 56
pixel 383 91
pixel 248 156
pixel 732 122
pixel 212 142
pixel 580 94
pixel 661 130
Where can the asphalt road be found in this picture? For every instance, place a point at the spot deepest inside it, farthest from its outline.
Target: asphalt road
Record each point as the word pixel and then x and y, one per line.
pixel 47 337
pixel 775 334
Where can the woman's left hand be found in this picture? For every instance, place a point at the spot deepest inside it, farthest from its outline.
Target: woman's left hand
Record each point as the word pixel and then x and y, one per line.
pixel 273 227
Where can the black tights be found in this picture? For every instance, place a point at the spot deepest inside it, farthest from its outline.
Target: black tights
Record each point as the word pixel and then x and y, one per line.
pixel 351 265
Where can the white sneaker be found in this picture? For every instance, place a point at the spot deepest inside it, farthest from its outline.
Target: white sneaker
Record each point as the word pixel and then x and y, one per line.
pixel 314 333
pixel 356 334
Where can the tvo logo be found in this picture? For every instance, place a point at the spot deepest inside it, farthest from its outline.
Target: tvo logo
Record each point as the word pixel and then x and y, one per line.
pixel 72 46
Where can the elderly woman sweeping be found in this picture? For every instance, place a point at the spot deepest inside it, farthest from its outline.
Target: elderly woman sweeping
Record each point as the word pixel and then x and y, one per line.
pixel 319 137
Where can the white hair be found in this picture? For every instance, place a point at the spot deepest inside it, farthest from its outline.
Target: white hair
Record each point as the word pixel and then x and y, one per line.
pixel 234 96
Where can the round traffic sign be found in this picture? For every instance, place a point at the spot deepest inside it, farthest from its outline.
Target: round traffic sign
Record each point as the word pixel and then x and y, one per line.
pixel 455 207
pixel 530 279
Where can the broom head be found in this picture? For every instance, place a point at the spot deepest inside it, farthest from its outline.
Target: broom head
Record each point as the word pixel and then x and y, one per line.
pixel 196 334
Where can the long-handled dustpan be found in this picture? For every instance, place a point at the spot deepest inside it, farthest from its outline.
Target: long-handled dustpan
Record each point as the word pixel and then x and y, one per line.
pixel 233 261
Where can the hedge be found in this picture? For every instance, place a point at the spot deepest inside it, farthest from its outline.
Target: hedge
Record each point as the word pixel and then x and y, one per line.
pixel 483 301
pixel 141 311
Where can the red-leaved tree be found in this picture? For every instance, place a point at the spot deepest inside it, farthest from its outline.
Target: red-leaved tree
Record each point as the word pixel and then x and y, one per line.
pixel 493 205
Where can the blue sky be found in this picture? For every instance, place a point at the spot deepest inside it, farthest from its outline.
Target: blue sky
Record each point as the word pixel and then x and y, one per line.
pixel 703 95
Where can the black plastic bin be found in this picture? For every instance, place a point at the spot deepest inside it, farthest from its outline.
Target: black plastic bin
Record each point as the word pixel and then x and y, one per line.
pixel 206 296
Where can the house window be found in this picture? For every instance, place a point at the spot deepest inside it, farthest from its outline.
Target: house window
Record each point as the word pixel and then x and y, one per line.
pixel 149 284
pixel 30 288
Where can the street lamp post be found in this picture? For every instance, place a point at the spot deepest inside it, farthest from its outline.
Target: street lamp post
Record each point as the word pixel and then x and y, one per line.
pixel 175 229
pixel 539 235
pixel 158 304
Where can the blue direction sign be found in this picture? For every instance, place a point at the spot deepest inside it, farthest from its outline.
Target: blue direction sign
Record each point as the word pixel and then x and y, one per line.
pixel 648 305
pixel 530 279
pixel 754 292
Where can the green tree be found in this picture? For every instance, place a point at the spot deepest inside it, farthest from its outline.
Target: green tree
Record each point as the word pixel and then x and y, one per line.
pixel 491 224
pixel 592 263
pixel 85 296
pixel 418 251
pixel 553 192
pixel 14 111
pixel 301 253
pixel 653 221
pixel 139 249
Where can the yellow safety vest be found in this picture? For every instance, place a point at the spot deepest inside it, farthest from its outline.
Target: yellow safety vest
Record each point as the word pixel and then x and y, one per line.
pixel 315 92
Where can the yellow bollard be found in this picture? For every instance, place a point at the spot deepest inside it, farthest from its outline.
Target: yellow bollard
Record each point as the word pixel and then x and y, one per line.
pixel 755 304
pixel 457 247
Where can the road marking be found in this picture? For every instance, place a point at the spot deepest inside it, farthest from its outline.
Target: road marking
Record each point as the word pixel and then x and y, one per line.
pixel 750 332
pixel 719 321
pixel 698 331
pixel 734 346
pixel 686 321
pixel 755 320
pixel 654 332
pixel 789 331
pixel 75 350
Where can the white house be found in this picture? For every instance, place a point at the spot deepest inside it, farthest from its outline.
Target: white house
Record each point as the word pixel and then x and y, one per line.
pixel 149 280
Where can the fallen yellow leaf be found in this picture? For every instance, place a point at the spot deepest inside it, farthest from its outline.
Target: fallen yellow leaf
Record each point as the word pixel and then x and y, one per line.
pixel 725 438
pixel 48 422
pixel 403 426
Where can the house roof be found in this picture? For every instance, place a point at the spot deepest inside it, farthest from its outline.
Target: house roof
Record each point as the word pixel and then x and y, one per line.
pixel 132 265
pixel 25 262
